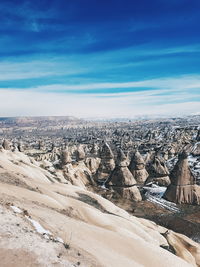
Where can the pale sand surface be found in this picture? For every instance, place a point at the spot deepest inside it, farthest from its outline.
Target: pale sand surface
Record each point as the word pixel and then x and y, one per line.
pixel 102 233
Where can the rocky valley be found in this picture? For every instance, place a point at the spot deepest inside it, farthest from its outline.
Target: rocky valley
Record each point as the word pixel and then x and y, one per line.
pixel 93 193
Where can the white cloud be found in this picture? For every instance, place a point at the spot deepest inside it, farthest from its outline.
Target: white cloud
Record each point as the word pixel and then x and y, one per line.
pixel 35 69
pixel 178 83
pixel 27 103
pixel 167 96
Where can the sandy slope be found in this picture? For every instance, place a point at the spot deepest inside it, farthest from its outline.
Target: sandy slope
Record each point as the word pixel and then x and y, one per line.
pixel 102 233
pixel 21 246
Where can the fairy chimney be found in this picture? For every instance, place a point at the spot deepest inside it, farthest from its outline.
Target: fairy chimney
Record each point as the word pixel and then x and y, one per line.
pixel 182 188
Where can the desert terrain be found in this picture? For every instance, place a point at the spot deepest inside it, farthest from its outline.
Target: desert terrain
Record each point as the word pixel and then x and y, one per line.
pixel 82 193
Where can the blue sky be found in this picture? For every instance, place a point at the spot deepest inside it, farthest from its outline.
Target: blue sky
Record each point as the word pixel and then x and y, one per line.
pixel 96 58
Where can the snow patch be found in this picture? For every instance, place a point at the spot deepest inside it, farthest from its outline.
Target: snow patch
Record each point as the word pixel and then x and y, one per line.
pixel 16 209
pixel 46 233
pixel 155 190
pixel 38 227
pixel 163 203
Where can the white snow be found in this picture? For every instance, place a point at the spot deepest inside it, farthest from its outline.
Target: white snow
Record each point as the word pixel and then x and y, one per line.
pixel 155 190
pixel 164 203
pixel 154 194
pixel 16 209
pixel 46 233
pixel 38 227
pixel 192 159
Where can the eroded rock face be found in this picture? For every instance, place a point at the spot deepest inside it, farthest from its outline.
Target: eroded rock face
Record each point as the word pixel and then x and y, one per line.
pixel 158 172
pixel 40 145
pixel 166 155
pixel 131 193
pixel 171 152
pixel 107 164
pixel 106 152
pixel 184 247
pixel 161 181
pixel 149 157
pixel 92 164
pixel 122 160
pixel 54 154
pixel 20 147
pixel 182 188
pixel 122 180
pixel 159 168
pixel 137 168
pixel 80 153
pixel 65 157
pixel 95 150
pixel 6 144
pixel 78 174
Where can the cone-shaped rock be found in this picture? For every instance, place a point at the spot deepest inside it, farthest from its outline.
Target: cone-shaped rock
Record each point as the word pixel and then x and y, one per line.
pixel 137 168
pixel 122 160
pixel 107 163
pixel 158 172
pixel 149 157
pixel 122 179
pixel 159 169
pixel 182 188
pixel 106 152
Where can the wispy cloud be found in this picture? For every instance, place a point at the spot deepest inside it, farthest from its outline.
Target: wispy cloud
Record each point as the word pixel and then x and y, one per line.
pixel 36 68
pixel 165 96
pixel 178 83
pixel 39 103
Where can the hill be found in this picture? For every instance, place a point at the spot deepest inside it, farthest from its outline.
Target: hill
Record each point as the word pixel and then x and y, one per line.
pixel 48 223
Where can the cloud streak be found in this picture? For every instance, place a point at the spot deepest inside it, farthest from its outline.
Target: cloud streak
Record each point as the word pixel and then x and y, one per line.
pixel 39 103
pixel 178 83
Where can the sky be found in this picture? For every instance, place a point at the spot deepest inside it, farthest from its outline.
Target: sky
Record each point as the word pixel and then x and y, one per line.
pixel 96 58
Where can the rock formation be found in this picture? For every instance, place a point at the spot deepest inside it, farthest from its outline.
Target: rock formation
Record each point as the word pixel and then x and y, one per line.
pixel 94 150
pixel 158 172
pixel 65 157
pixel 92 164
pixel 20 147
pixel 40 145
pixel 165 155
pixel 122 180
pixel 171 152
pixel 107 163
pixel 6 144
pixel 149 157
pixel 78 174
pixel 182 188
pixel 137 168
pixel 71 217
pixel 80 153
